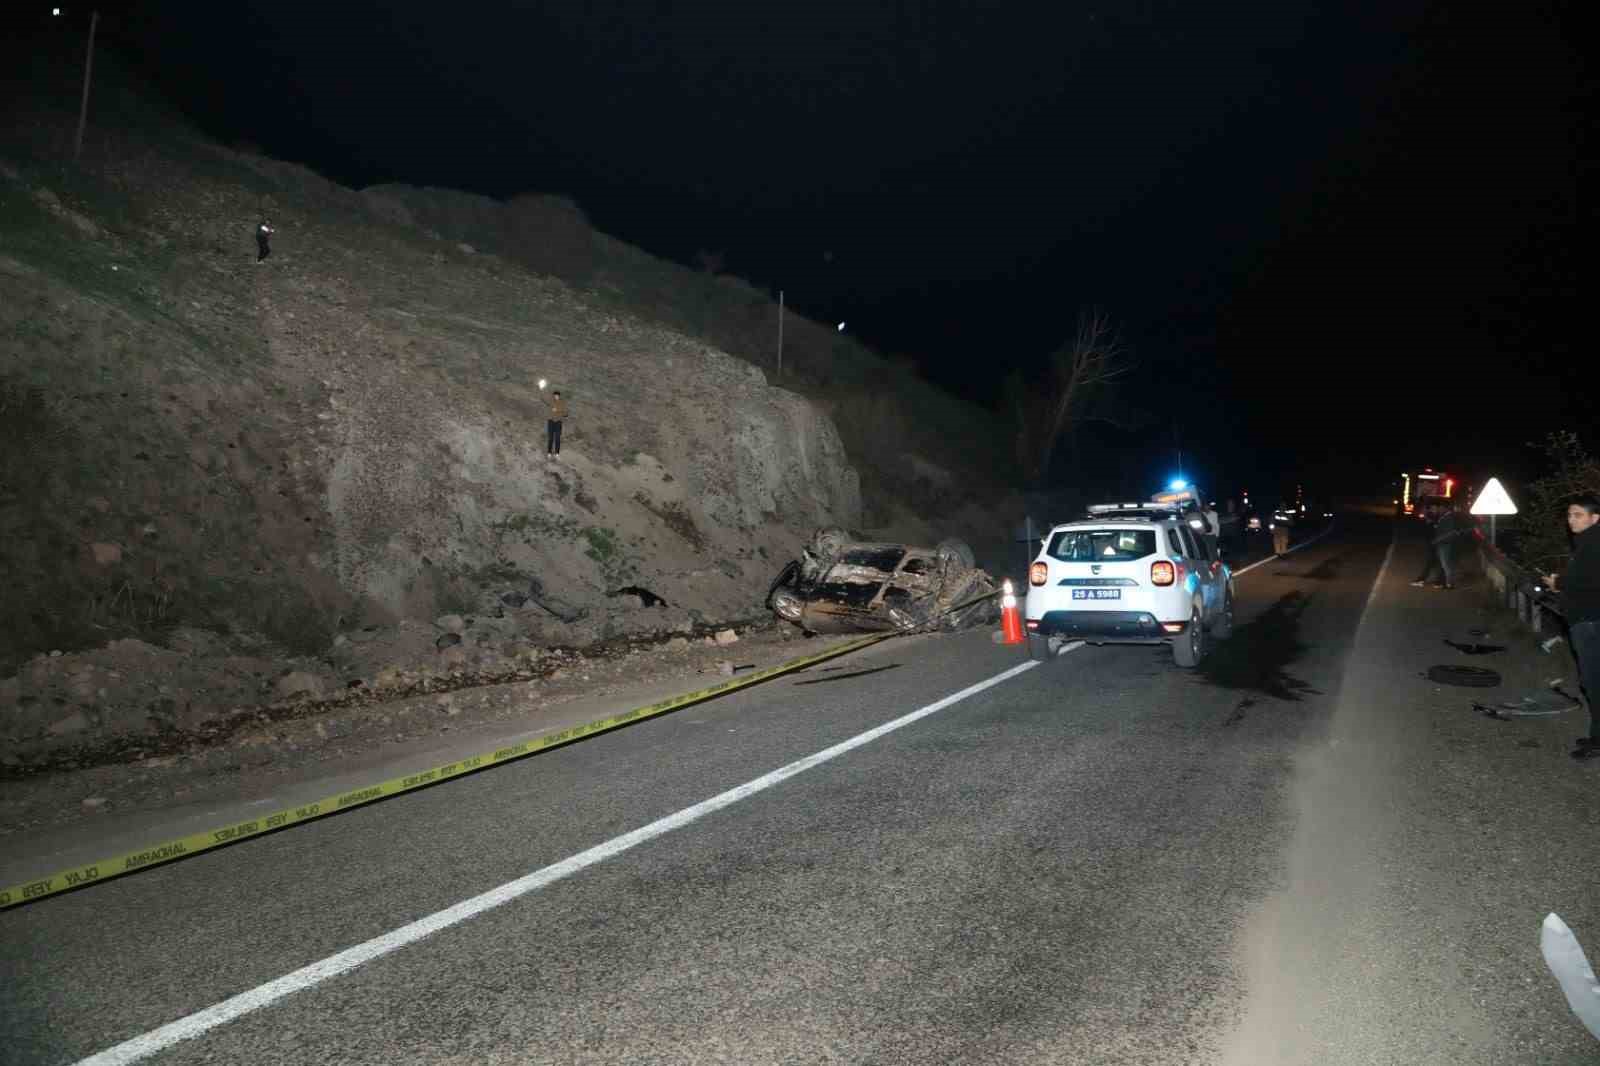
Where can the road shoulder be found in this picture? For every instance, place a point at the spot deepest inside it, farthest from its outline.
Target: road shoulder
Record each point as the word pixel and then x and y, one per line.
pixel 1430 843
pixel 50 827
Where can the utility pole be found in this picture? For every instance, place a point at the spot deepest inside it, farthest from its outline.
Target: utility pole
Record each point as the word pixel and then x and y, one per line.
pixel 780 333
pixel 88 73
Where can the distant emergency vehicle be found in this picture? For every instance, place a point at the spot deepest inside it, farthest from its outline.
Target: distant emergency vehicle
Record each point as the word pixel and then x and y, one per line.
pixel 1419 488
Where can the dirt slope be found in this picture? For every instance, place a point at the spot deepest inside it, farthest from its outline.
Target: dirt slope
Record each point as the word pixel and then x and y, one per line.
pixel 263 459
pixel 225 483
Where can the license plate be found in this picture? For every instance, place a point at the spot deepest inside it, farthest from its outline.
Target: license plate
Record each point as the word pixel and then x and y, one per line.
pixel 1097 594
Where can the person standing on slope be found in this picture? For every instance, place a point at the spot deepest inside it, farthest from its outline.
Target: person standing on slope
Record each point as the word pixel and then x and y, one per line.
pixel 552 429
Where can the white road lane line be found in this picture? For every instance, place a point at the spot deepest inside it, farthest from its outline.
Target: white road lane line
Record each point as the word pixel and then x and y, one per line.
pixel 1377 582
pixel 194 1025
pixel 1291 551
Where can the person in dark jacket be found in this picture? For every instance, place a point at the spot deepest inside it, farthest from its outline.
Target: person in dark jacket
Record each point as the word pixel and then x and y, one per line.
pixel 263 232
pixel 1442 546
pixel 1580 604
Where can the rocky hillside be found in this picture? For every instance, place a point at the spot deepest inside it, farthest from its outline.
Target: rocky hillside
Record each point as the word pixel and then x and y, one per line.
pixel 205 456
pixel 352 431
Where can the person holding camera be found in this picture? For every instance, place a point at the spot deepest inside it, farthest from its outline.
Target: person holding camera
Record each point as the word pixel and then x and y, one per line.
pixel 552 427
pixel 1580 604
pixel 263 248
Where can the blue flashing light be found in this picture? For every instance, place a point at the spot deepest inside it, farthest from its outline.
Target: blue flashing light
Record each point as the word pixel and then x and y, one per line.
pixel 1177 484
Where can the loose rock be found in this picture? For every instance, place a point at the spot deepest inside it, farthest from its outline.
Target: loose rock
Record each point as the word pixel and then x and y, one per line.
pixel 76 722
pixel 297 683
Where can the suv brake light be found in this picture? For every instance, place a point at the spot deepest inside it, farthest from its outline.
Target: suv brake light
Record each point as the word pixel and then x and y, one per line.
pixel 1162 573
pixel 1038 574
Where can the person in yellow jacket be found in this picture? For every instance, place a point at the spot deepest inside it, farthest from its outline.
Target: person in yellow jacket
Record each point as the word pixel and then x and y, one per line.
pixel 1280 536
pixel 552 429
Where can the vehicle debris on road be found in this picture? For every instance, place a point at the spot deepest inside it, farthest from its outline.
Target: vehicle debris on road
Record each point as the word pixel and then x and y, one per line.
pixel 842 585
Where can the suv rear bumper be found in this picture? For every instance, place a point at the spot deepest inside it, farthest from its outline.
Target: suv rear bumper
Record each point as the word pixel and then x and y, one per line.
pixel 1109 627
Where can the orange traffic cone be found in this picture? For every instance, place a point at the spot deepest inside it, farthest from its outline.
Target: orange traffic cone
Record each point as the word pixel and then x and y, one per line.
pixel 1010 616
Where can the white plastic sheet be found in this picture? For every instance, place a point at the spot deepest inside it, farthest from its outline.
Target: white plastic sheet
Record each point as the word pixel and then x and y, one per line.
pixel 1564 955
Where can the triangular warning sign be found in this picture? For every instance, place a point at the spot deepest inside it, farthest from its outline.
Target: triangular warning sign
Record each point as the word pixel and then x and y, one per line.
pixel 1493 500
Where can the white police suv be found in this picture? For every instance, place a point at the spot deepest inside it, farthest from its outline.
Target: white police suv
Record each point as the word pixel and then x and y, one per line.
pixel 1133 573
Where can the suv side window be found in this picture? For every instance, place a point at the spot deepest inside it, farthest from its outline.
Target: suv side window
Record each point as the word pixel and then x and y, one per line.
pixel 1188 543
pixel 1175 543
pixel 1204 543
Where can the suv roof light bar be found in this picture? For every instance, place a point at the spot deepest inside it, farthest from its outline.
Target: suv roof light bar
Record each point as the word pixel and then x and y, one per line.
pixel 1108 508
pixel 1147 507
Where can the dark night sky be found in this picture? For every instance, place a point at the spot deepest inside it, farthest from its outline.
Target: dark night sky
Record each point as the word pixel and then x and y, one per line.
pixel 1327 229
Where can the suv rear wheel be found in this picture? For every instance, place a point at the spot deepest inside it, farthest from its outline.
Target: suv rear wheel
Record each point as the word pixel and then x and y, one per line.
pixel 1222 628
pixel 1190 646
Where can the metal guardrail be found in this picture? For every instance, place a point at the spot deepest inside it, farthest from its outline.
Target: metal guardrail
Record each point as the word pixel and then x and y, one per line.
pixel 1519 588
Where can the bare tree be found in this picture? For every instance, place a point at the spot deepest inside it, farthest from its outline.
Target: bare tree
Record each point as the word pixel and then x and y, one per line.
pixel 1080 373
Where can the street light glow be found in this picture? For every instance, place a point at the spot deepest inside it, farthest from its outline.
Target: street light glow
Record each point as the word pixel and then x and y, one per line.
pixel 543 383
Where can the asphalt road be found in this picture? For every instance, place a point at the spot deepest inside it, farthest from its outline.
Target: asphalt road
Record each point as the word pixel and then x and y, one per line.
pixel 1053 869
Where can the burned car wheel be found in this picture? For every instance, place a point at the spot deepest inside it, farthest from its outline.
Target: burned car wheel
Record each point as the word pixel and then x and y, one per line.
pixel 784 578
pixel 828 543
pixel 957 551
pixel 782 597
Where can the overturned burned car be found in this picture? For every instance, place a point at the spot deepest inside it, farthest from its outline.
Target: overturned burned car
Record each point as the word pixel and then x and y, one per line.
pixel 841 585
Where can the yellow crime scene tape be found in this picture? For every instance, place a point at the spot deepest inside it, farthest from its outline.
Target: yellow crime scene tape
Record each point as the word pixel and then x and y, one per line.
pixel 193 844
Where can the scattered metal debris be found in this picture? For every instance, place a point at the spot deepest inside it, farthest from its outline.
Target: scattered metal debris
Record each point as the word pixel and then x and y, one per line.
pixel 1463 676
pixel 1474 649
pixel 1553 701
